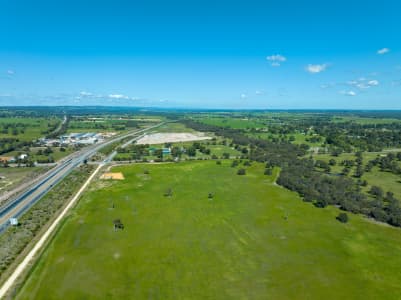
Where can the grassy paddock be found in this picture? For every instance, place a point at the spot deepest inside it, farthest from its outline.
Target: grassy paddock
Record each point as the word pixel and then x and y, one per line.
pixel 28 129
pixel 252 240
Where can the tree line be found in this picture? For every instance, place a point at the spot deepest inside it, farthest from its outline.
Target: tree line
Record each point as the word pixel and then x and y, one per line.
pixel 299 174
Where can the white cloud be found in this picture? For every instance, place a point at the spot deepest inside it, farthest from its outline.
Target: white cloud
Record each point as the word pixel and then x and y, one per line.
pixel 244 96
pixel 348 93
pixel 10 72
pixel 316 68
pixel 276 60
pixel 383 51
pixel 118 96
pixel 85 94
pixel 362 86
pixel 259 92
pixel 328 85
pixel 373 82
pixel 363 83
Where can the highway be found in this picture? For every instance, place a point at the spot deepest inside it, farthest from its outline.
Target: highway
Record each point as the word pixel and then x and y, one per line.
pixel 15 207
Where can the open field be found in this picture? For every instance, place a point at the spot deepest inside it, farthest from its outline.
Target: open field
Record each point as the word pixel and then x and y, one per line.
pixel 238 123
pixel 251 240
pixel 173 127
pixel 110 123
pixel 26 129
pixel 34 154
pixel 366 120
pixel 12 177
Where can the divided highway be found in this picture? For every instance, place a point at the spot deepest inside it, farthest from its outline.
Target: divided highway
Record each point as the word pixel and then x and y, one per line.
pixel 20 204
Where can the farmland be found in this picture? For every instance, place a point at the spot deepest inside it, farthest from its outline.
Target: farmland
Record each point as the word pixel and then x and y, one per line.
pixel 17 132
pixel 251 239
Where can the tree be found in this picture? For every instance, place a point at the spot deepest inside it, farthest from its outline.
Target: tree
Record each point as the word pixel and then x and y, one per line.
pixel 358 171
pixel 268 171
pixel 191 151
pixel 241 172
pixel 118 224
pixel 210 195
pixel 376 191
pixel 321 203
pixel 159 153
pixel 345 171
pixel 342 217
pixel 168 192
pixel 176 151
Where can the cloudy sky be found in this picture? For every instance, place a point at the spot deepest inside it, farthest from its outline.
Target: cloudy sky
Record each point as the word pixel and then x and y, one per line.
pixel 206 54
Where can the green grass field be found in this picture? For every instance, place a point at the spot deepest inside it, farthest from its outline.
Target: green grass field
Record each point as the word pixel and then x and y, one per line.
pixel 237 123
pixel 173 127
pixel 253 240
pixel 28 129
pixel 365 120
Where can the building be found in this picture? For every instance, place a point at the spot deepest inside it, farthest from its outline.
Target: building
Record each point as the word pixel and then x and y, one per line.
pixel 23 156
pixel 7 159
pixel 166 151
pixel 14 221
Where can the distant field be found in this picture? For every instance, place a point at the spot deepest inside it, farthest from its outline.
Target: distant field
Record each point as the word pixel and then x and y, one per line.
pixel 26 129
pixel 366 120
pixel 173 127
pixel 237 123
pixel 298 138
pixel 251 241
pixel 110 123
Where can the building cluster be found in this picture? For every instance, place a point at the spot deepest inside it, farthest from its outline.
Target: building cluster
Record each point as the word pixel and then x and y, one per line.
pixel 83 138
pixel 13 159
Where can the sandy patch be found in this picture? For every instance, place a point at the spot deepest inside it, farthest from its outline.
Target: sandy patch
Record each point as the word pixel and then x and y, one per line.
pixel 113 176
pixel 160 138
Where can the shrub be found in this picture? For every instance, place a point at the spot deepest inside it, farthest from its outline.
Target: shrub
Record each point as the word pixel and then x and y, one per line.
pixel 241 172
pixel 342 217
pixel 268 171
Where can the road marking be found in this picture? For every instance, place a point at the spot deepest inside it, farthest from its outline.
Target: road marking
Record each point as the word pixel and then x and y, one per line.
pixel 18 271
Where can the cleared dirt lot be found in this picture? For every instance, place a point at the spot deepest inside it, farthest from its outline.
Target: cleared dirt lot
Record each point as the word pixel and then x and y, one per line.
pixel 113 176
pixel 160 138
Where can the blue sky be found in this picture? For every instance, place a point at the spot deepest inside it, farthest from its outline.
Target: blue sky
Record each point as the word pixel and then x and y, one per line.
pixel 205 54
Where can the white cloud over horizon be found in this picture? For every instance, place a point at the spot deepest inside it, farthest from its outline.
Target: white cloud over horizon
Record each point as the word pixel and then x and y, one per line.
pixel 363 83
pixel 118 96
pixel 314 69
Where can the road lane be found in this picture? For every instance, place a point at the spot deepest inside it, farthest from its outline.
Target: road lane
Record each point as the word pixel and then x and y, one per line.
pixel 20 204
